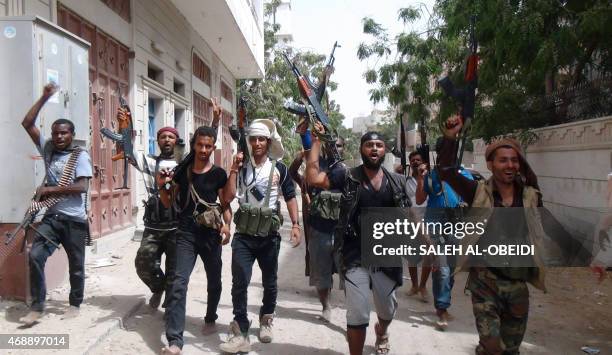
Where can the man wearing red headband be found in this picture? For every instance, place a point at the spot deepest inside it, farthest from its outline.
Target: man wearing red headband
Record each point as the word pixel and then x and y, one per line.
pixel 160 222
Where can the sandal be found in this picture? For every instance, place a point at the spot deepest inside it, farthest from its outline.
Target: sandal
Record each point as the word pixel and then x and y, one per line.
pixel 382 344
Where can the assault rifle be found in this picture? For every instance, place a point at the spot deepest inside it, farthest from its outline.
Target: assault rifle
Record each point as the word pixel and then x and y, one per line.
pixel 313 109
pixel 238 131
pixel 123 138
pixel 299 109
pixel 465 97
pixel 423 148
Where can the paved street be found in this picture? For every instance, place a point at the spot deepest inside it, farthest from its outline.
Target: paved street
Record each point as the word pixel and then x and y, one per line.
pixel 116 320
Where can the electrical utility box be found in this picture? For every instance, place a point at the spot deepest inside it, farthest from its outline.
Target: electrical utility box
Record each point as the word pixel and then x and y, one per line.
pixel 35 52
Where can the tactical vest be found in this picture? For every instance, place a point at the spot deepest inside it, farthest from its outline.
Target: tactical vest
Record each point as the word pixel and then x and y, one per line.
pixel 156 215
pixel 483 198
pixel 260 221
pixel 348 205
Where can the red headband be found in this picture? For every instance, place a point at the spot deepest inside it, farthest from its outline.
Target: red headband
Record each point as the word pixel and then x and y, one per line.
pixel 168 129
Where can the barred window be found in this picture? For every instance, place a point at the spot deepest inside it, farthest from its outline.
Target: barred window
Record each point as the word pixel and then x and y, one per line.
pixel 201 70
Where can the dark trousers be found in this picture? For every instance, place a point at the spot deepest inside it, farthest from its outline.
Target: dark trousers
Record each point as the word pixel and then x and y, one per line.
pixel 245 250
pixel 189 244
pixel 71 235
pixel 148 259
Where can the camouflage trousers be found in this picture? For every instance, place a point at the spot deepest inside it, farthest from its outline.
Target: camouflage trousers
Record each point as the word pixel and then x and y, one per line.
pixel 148 259
pixel 500 308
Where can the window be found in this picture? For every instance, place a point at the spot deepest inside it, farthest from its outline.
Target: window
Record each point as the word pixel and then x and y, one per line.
pixel 226 92
pixel 201 70
pixel 179 87
pixel 155 73
pixel 152 128
pixel 120 7
pixel 201 111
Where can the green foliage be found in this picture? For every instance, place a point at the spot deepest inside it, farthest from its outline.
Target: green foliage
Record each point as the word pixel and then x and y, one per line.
pixel 267 96
pixel 527 49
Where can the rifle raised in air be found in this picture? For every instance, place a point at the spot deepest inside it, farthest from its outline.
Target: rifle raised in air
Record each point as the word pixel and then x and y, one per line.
pixel 423 148
pixel 238 131
pixel 313 109
pixel 123 138
pixel 465 97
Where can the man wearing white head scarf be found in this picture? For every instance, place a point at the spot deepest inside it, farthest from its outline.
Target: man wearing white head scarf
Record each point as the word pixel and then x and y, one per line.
pixel 258 220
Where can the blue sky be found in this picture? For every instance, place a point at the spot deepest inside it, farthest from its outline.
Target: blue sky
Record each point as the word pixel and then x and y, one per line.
pixel 318 23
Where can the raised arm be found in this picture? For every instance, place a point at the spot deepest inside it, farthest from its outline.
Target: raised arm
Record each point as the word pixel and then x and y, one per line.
pixel 314 176
pixel 420 194
pixel 294 169
pixel 29 121
pixel 217 111
pixel 465 187
pixel 228 193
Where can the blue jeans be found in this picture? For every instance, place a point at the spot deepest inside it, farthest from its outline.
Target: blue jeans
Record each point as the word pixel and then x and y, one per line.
pixel 245 250
pixel 442 281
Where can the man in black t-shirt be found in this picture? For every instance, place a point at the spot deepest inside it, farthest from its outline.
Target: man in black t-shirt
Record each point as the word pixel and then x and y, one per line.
pixel 368 185
pixel 195 194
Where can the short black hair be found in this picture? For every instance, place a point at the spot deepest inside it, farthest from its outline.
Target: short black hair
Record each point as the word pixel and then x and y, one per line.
pixel 413 153
pixel 64 121
pixel 204 131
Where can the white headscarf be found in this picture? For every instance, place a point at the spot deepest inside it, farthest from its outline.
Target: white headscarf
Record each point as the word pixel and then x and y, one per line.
pixel 266 128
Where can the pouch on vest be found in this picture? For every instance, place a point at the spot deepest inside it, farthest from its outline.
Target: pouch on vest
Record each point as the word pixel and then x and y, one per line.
pixel 258 221
pixel 326 205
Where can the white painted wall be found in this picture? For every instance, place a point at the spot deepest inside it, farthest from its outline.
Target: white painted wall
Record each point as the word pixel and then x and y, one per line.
pixel 572 162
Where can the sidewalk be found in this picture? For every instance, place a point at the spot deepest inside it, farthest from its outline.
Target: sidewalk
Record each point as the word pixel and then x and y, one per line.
pixel 112 294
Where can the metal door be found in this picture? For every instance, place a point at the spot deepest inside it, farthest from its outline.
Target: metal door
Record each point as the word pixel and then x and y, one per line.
pixel 111 208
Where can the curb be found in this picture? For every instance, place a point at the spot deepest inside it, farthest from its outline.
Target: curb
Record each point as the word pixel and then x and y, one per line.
pixel 113 325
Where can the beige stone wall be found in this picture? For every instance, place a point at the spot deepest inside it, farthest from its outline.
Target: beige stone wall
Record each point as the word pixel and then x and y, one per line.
pixel 572 162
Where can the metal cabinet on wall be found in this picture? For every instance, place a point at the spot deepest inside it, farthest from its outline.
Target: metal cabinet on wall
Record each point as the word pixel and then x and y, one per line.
pixel 35 52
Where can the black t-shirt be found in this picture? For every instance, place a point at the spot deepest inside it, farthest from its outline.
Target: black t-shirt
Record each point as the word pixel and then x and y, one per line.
pixel 368 197
pixel 206 185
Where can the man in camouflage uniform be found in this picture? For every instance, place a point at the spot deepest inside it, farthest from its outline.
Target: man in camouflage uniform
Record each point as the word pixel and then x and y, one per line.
pixel 500 297
pixel 160 222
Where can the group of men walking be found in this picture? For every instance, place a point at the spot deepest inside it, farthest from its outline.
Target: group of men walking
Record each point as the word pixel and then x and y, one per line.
pixel 188 215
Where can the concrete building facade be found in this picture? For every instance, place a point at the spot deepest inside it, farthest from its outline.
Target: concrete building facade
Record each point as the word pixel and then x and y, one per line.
pixel 168 58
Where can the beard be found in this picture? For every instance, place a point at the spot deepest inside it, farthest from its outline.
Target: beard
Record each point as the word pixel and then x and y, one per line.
pixel 370 164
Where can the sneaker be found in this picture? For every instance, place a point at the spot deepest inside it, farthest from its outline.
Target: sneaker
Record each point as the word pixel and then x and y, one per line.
pixel 238 342
pixel 155 299
pixel 443 318
pixel 72 312
pixel 31 318
pixel 265 328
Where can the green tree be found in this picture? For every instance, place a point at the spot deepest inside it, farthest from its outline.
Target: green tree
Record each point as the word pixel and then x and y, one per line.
pixel 267 96
pixel 527 49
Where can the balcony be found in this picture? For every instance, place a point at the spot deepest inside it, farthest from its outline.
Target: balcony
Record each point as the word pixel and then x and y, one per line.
pixel 234 31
